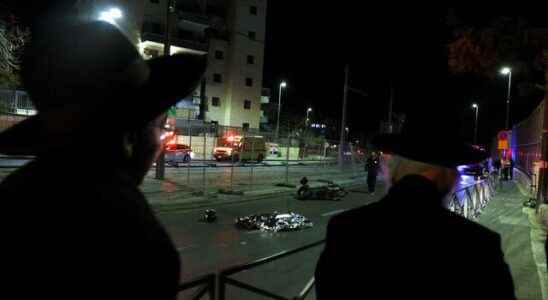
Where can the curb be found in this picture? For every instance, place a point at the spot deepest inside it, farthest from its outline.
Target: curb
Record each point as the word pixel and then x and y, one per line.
pixel 200 202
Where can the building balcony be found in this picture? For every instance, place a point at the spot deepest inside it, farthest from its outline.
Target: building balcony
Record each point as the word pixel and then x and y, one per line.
pixel 16 102
pixel 196 18
pixel 175 41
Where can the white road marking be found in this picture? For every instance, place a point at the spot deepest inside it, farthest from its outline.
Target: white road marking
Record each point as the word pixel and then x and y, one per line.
pixel 338 211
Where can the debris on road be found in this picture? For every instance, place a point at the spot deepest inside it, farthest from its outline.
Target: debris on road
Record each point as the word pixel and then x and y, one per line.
pixel 274 222
pixel 330 192
pixel 209 216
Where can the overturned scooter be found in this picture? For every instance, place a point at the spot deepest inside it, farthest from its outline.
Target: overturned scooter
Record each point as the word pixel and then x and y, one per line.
pixel 330 192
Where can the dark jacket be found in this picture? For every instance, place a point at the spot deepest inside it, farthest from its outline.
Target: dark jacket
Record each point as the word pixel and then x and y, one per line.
pixel 407 246
pixel 79 229
pixel 372 165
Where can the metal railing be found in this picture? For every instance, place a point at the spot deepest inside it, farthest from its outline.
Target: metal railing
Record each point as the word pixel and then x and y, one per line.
pixel 207 283
pixel 470 201
pixel 225 280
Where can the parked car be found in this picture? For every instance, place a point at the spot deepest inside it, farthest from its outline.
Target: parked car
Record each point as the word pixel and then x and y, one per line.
pixel 176 154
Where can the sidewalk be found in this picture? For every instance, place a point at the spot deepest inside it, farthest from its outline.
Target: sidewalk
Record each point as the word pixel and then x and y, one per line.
pixel 505 215
pixel 168 196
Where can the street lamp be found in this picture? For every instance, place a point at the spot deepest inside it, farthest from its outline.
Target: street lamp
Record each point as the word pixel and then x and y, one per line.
pixel 476 107
pixel 507 71
pixel 283 84
pixel 308 111
pixel 111 15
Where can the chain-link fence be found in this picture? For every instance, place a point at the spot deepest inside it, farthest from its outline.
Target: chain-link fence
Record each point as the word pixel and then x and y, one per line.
pixel 206 160
pixel 528 140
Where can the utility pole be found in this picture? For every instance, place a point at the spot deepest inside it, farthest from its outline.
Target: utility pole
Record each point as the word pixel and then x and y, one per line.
pixel 347 88
pixel 390 126
pixel 343 120
pixel 161 161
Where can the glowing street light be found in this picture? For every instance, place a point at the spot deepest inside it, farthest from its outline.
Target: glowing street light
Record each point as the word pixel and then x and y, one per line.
pixel 507 71
pixel 283 85
pixel 111 15
pixel 308 111
pixel 476 107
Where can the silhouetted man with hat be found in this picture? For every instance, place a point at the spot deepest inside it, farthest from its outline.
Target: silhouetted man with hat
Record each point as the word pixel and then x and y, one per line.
pixel 76 224
pixel 409 245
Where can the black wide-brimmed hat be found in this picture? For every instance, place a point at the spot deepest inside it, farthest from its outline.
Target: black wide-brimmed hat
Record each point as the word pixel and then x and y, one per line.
pixel 438 118
pixel 434 129
pixel 430 149
pixel 89 80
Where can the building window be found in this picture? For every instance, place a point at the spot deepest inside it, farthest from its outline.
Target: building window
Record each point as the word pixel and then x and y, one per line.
pixel 247 104
pixel 253 10
pixel 155 1
pixel 215 123
pixel 250 60
pixel 252 35
pixel 219 54
pixel 218 78
pixel 249 81
pixel 216 101
pixel 245 126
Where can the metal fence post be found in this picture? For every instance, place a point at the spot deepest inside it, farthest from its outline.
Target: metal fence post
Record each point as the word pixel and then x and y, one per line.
pixel 190 146
pixel 251 166
pixel 232 166
pixel 352 159
pixel 287 159
pixel 323 155
pixel 222 287
pixel 466 203
pixel 204 164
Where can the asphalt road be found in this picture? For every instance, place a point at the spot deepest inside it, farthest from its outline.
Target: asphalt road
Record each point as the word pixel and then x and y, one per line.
pixel 211 247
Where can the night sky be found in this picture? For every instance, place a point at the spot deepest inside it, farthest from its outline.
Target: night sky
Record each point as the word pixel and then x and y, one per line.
pixel 309 45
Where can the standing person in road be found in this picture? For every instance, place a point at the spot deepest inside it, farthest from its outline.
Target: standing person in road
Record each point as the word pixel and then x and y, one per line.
pixel 80 228
pixel 372 168
pixel 496 166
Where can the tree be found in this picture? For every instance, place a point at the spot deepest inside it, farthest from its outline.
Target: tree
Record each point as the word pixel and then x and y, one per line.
pixel 482 50
pixel 7 59
pixel 13 39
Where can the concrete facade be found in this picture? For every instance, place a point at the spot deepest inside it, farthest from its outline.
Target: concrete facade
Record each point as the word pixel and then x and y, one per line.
pixel 235 51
